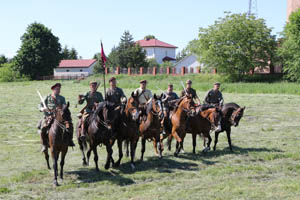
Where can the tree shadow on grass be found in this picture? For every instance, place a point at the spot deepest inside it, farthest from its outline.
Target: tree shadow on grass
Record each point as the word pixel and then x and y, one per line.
pixel 87 175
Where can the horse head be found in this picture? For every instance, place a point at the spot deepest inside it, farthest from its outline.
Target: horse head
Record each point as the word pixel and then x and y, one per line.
pixel 63 115
pixel 188 105
pixel 236 116
pixel 155 106
pixel 132 107
pixel 110 114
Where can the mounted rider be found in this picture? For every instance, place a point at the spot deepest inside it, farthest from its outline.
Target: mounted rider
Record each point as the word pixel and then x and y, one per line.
pixel 52 101
pixel 214 96
pixel 92 98
pixel 168 98
pixel 144 95
pixel 190 91
pixel 115 94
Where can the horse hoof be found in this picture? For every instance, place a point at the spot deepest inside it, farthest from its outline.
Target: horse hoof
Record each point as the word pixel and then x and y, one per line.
pixel 132 166
pixel 55 184
pixel 176 154
pixel 97 169
pixel 106 166
pixel 117 164
pixel 160 156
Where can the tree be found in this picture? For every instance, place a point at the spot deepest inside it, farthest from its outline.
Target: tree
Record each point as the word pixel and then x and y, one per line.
pixel 152 63
pixel 67 54
pixel 98 68
pixel 3 59
pixel 39 53
pixel 235 45
pixel 149 37
pixel 290 48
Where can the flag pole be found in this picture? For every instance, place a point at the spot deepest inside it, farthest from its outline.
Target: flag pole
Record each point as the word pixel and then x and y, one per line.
pixel 103 60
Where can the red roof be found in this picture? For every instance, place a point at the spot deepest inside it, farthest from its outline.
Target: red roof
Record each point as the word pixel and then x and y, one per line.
pixel 154 43
pixel 83 63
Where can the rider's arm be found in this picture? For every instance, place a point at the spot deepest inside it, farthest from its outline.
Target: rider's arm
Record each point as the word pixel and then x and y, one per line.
pixel 206 98
pixel 82 97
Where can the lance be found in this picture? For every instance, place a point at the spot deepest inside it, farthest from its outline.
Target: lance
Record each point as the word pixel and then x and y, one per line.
pixel 183 87
pixel 42 100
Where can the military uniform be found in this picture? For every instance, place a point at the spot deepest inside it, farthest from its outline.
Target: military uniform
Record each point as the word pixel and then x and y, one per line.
pixel 143 96
pixel 115 95
pixel 44 125
pixel 171 96
pixel 91 99
pixel 214 97
pixel 189 91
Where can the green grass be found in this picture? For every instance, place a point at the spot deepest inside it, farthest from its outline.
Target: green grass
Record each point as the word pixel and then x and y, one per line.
pixel 265 163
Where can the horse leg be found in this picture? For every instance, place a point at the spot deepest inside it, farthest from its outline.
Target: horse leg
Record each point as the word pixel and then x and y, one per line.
pixel 96 158
pixel 155 143
pixel 62 162
pixel 169 142
pixel 117 164
pixel 194 142
pixel 209 142
pixel 159 146
pixel 47 158
pixel 177 149
pixel 143 148
pixel 181 146
pixel 88 154
pixel 216 139
pixel 133 145
pixel 228 131
pixel 126 144
pixel 109 155
pixel 55 156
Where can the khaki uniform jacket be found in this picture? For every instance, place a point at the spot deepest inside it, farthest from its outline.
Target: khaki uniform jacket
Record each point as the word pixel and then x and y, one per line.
pixel 91 99
pixel 52 103
pixel 143 96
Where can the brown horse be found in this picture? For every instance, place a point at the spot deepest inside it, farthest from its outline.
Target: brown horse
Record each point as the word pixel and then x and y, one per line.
pixel 185 108
pixel 100 131
pixel 201 124
pixel 232 113
pixel 58 139
pixel 150 128
pixel 127 128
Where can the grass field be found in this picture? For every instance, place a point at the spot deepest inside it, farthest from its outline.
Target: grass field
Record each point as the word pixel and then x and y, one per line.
pixel 265 163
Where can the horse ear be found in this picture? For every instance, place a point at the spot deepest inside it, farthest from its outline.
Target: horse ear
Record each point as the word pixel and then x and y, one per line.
pixel 244 108
pixel 154 96
pixel 68 104
pixel 132 94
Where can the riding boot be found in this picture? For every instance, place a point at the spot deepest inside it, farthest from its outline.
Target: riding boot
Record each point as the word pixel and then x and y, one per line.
pixel 44 139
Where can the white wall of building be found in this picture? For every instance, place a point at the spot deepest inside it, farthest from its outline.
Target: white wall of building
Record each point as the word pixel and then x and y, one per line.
pixel 159 53
pixel 188 62
pixel 71 71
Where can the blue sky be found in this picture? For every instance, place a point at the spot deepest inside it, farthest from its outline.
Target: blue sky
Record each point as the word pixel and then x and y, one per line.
pixel 81 24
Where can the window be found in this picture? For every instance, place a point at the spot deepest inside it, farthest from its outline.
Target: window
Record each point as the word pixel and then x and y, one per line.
pixel 81 70
pixel 67 70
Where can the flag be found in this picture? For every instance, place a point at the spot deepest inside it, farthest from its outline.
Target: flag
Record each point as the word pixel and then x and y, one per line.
pixel 103 57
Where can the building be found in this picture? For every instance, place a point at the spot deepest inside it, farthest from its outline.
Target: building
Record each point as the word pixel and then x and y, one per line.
pixel 292 5
pixel 190 62
pixel 75 68
pixel 158 50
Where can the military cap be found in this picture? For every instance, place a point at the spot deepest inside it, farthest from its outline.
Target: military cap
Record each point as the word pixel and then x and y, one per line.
pixel 55 86
pixel 143 81
pixel 170 84
pixel 112 79
pixel 217 83
pixel 93 82
pixel 188 81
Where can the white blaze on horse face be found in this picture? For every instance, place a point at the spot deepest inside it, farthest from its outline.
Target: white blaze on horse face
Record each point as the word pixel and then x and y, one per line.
pixel 135 116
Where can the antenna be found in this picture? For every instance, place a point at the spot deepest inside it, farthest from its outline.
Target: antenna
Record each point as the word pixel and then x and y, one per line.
pixel 252 7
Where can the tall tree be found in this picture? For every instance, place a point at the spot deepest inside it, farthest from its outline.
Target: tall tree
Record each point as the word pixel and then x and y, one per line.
pixel 68 54
pixel 39 53
pixel 289 49
pixel 149 37
pixel 73 54
pixel 235 44
pixel 3 59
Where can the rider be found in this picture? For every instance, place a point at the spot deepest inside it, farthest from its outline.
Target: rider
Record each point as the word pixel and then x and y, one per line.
pixel 52 101
pixel 114 94
pixel 169 95
pixel 144 95
pixel 189 90
pixel 91 98
pixel 214 96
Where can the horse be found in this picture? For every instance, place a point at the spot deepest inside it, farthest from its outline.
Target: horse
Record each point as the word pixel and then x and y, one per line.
pixel 127 127
pixel 205 120
pixel 150 128
pixel 58 139
pixel 185 108
pixel 100 131
pixel 232 114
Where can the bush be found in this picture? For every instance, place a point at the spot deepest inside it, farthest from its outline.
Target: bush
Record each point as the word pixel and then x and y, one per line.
pixel 8 74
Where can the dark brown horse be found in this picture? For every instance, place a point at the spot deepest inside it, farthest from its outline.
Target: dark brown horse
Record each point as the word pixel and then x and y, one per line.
pixel 185 108
pixel 58 139
pixel 150 128
pixel 201 124
pixel 232 114
pixel 127 127
pixel 100 131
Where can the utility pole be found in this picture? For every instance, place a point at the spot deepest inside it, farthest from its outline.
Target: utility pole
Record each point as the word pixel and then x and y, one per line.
pixel 252 10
